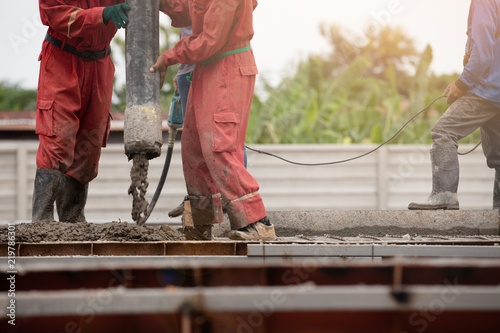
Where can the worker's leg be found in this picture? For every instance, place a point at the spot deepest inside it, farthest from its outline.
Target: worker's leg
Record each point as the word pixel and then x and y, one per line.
pixel 58 101
pixel 461 119
pixel 490 138
pixel 71 200
pixel 227 94
pixel 94 117
pixel 496 190
pixel 44 194
pixel 205 201
pixel 184 86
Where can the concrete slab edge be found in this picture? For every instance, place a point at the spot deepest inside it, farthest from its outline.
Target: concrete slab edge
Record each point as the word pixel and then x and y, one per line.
pixel 380 223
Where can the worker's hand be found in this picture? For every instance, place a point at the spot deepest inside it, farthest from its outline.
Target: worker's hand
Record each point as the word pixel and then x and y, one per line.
pixel 117 14
pixel 160 65
pixel 453 93
pixel 176 86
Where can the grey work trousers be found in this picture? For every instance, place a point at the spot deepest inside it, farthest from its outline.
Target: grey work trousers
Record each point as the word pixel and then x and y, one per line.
pixel 462 118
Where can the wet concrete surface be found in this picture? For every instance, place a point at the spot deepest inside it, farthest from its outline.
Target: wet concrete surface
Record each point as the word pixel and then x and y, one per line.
pixel 53 231
pixel 287 224
pixel 380 223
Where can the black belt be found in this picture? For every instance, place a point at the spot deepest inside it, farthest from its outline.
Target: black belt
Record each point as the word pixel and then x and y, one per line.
pixel 85 55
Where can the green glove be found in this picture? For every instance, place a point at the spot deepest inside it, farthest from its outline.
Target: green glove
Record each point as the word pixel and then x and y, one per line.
pixel 117 14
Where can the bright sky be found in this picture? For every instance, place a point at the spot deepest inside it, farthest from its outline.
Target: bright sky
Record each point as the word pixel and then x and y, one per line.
pixel 285 31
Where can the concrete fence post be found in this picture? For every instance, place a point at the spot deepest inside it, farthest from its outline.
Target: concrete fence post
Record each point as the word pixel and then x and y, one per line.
pixel 382 178
pixel 21 182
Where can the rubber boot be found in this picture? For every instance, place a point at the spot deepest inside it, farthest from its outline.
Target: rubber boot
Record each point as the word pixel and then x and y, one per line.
pixel 71 200
pixel 496 191
pixel 198 232
pixel 445 174
pixel 191 231
pixel 179 210
pixel 45 190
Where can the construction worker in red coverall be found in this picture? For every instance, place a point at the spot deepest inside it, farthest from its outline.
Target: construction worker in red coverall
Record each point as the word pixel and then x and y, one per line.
pixel 73 103
pixel 217 113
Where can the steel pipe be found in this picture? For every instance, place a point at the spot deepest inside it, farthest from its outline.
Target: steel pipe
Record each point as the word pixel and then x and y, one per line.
pixel 143 119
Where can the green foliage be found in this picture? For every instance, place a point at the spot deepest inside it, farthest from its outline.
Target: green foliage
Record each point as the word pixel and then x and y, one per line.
pixel 13 98
pixel 362 92
pixel 389 47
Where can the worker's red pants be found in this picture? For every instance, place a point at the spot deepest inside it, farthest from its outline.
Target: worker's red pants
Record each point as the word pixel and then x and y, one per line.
pixel 213 139
pixel 74 99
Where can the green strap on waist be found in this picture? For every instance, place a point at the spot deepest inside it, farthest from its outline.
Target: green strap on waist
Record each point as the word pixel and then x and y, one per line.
pixel 225 54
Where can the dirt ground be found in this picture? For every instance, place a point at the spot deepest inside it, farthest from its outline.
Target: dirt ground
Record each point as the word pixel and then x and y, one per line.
pixel 53 231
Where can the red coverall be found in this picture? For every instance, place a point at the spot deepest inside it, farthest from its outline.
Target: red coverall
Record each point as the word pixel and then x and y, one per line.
pixel 74 95
pixel 218 108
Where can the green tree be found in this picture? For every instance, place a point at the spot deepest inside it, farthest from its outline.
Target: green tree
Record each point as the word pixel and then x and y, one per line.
pixel 387 47
pixel 15 98
pixel 359 93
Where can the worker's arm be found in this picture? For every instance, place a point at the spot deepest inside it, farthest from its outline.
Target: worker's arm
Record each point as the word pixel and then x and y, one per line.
pixel 481 43
pixel 217 24
pixel 218 21
pixel 71 21
pixel 178 11
pixel 118 14
pixel 453 92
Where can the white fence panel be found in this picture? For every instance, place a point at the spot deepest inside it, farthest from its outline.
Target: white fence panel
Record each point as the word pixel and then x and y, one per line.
pixel 388 179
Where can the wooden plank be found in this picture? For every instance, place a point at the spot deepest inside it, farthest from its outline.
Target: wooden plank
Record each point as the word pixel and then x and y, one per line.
pixel 55 249
pixel 128 249
pixel 205 248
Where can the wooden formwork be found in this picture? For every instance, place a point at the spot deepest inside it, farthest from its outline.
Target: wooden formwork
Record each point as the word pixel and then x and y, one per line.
pixel 295 285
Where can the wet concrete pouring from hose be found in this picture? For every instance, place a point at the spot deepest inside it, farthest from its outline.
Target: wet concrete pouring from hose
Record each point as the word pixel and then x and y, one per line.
pixel 139 187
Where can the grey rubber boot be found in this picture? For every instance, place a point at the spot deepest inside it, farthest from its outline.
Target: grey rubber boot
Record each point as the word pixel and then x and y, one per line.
pixel 445 175
pixel 71 200
pixel 199 232
pixel 496 191
pixel 45 190
pixel 179 210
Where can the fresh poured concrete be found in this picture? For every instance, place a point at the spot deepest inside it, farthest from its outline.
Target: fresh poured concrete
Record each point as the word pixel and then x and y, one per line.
pixel 381 223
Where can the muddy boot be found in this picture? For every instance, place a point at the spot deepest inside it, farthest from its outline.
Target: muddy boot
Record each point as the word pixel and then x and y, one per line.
pixel 260 230
pixel 45 190
pixel 496 191
pixel 445 173
pixel 177 211
pixel 171 233
pixel 191 231
pixel 199 232
pixel 71 200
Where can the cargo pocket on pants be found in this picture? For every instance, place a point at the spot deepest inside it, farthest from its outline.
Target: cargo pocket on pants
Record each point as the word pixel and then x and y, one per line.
pixel 45 117
pixel 225 132
pixel 106 132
